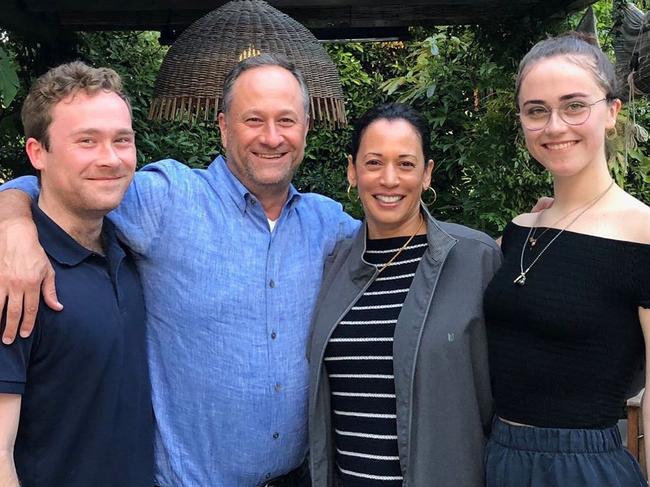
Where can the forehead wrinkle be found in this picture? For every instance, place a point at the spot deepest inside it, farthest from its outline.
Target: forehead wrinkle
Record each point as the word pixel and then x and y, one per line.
pixel 261 111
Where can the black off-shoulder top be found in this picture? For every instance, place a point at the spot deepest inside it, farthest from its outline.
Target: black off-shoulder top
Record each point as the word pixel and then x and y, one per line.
pixel 566 348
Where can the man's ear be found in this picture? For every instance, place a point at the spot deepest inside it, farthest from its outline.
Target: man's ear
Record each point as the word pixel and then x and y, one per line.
pixel 36 153
pixel 223 130
pixel 307 121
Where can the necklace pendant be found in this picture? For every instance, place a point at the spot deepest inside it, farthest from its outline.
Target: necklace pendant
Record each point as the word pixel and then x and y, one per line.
pixel 532 241
pixel 520 279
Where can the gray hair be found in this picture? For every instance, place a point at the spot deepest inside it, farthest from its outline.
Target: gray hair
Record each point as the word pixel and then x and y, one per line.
pixel 579 48
pixel 266 59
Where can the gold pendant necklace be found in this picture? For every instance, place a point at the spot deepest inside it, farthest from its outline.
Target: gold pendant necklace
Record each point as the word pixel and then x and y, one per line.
pixel 532 239
pixel 401 249
pixel 521 278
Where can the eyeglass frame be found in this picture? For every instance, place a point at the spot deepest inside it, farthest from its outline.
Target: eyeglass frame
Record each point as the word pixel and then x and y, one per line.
pixel 551 109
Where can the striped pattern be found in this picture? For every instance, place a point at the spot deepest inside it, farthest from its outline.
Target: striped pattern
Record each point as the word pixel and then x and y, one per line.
pixel 359 363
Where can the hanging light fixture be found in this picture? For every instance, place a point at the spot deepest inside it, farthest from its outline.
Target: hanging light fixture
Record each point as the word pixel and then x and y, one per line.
pixel 189 84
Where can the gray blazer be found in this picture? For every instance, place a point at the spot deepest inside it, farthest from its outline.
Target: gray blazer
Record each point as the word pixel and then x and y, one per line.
pixel 442 384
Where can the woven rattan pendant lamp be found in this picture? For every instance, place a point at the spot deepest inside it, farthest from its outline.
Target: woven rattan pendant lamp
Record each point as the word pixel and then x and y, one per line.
pixel 189 84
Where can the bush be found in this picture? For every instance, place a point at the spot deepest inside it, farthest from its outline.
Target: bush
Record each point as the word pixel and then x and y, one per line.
pixel 460 77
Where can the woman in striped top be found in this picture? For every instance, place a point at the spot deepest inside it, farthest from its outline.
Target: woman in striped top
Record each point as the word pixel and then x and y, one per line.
pixel 400 390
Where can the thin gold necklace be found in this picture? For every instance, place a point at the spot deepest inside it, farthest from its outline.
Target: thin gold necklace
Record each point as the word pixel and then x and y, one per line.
pixel 532 240
pixel 521 278
pixel 401 249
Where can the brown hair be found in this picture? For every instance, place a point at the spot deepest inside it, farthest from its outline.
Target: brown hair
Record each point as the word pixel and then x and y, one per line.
pixel 56 85
pixel 582 49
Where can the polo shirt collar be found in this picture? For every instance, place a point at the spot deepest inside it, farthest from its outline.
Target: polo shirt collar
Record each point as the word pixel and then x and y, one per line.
pixel 63 248
pixel 241 196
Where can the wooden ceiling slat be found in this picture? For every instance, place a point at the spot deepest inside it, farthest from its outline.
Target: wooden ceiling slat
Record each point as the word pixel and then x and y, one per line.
pixel 380 16
pixel 334 17
pixel 208 5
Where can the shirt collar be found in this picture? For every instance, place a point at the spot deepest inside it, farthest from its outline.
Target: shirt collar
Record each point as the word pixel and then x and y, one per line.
pixel 241 196
pixel 440 244
pixel 63 248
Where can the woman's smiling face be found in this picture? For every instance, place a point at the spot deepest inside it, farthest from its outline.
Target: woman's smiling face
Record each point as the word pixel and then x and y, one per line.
pixel 390 173
pixel 565 149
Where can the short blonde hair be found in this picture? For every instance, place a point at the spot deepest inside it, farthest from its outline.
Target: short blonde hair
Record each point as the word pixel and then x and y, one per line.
pixel 56 85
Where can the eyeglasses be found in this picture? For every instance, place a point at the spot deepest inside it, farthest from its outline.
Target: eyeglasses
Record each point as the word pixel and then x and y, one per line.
pixel 536 117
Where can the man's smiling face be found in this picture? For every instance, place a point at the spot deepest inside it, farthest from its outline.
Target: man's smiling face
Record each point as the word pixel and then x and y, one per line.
pixel 265 129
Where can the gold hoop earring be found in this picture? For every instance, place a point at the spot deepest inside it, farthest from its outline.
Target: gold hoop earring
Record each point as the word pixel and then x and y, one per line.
pixel 435 196
pixel 350 197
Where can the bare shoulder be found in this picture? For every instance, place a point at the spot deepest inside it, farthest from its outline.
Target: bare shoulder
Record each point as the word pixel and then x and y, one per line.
pixel 525 219
pixel 634 218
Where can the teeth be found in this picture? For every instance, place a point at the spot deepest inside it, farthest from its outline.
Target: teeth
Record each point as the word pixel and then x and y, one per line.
pixel 269 156
pixel 388 199
pixel 559 146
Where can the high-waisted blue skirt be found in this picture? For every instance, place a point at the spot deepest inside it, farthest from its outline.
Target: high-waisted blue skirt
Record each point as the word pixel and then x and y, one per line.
pixel 522 456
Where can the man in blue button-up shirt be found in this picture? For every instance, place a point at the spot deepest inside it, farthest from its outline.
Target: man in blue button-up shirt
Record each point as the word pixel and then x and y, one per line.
pixel 231 260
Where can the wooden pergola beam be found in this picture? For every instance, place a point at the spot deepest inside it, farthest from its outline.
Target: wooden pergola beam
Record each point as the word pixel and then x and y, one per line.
pixel 15 18
pixel 326 18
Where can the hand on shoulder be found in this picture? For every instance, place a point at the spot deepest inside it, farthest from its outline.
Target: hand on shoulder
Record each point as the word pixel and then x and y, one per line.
pixel 525 219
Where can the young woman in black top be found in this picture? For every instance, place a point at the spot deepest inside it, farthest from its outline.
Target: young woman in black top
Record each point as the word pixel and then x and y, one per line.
pixel 568 313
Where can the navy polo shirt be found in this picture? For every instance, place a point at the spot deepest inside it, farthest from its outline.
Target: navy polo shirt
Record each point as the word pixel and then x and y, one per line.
pixel 86 416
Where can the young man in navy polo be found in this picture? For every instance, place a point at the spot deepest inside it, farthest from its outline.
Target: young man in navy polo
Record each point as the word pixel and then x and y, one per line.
pixel 75 399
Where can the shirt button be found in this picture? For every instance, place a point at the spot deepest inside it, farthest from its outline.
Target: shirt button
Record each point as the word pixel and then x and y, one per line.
pixel 277 387
pixel 274 335
pixel 271 283
pixel 268 475
pixel 276 436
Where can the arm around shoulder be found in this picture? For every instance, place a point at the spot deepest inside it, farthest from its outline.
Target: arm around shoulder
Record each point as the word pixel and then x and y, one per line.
pixel 24 267
pixel 141 215
pixel 14 206
pixel 28 185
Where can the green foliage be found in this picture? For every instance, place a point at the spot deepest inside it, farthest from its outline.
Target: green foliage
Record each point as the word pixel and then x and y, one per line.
pixel 483 175
pixel 8 79
pixel 12 159
pixel 324 168
pixel 137 57
pixel 630 149
pixel 460 77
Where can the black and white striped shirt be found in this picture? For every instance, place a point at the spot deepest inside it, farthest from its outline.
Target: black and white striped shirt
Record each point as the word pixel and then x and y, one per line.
pixel 359 363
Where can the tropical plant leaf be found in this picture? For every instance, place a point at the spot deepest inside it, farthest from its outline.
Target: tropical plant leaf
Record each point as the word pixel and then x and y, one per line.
pixel 8 79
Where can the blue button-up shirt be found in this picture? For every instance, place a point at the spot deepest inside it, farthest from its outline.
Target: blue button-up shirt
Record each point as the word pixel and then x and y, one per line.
pixel 229 305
